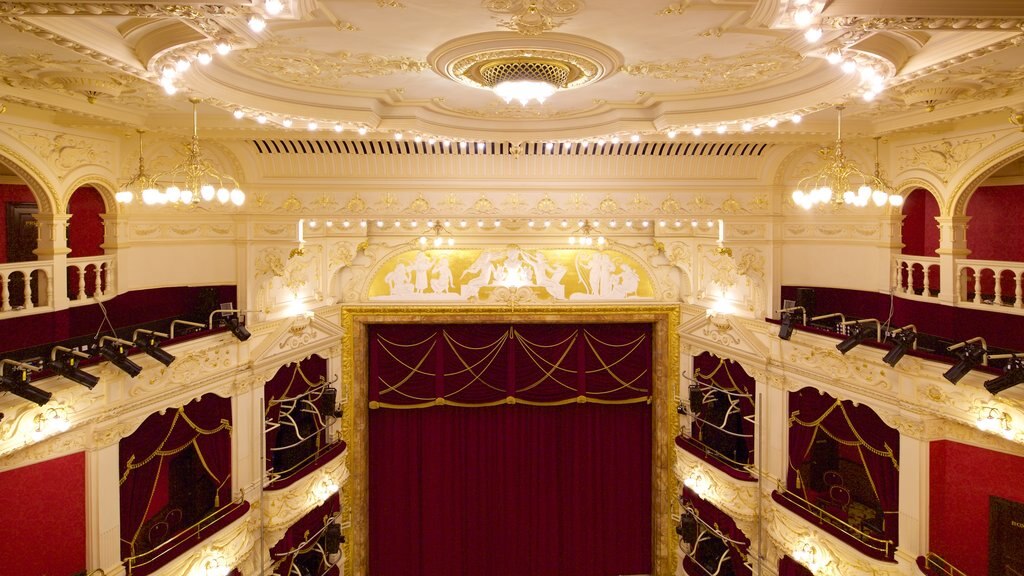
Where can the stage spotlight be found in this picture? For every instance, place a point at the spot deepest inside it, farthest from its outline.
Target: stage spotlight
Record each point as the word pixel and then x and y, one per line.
pixel 1013 375
pixel 113 349
pixel 862 333
pixel 904 339
pixel 14 379
pixel 971 354
pixel 786 328
pixel 146 340
pixel 688 526
pixel 64 362
pixel 231 321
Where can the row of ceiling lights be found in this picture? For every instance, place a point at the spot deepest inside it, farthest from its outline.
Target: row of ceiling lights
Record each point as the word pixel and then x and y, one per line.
pixel 496 223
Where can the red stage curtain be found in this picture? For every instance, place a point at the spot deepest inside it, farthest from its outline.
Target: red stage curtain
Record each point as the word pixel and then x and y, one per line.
pixel 203 425
pixel 853 427
pixel 549 473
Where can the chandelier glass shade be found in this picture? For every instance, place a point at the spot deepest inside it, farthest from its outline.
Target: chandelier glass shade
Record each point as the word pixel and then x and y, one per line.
pixel 141 185
pixel 839 181
pixel 525 79
pixel 586 235
pixel 437 236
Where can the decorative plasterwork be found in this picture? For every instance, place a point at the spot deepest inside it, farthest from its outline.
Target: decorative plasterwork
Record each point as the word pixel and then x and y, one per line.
pixel 730 73
pixel 868 23
pixel 839 368
pixel 63 152
pixel 281 508
pixel 293 339
pixel 533 17
pixel 230 546
pixel 287 64
pixel 944 158
pixel 735 498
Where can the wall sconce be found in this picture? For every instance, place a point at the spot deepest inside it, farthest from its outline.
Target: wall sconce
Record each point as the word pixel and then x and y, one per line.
pixel 213 565
pixel 971 353
pixel 1013 375
pixel 49 422
pixel 699 482
pixel 786 328
pixel 905 338
pixel 231 320
pixel 14 379
pixel 996 421
pixel 113 349
pixel 812 556
pixel 64 362
pixel 323 489
pixel 862 333
pixel 149 344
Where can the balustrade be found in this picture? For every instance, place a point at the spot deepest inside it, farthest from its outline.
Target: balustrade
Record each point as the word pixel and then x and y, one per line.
pixel 25 286
pixel 985 283
pixel 917 275
pixel 89 277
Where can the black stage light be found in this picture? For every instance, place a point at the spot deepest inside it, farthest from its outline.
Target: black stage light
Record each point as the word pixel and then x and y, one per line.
pixel 971 354
pixel 231 321
pixel 1013 375
pixel 14 379
pixel 904 339
pixel 786 328
pixel 862 333
pixel 687 527
pixel 113 349
pixel 146 340
pixel 64 362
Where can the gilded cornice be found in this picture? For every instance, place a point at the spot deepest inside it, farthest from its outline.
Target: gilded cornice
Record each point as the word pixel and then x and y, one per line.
pixel 874 24
pixel 735 72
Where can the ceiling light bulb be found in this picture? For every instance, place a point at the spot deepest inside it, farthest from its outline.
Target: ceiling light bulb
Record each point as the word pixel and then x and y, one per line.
pixel 169 88
pixel 362 130
pixel 615 140
pixel 167 71
pixel 849 66
pixel 480 145
pixel 432 141
pixel 223 47
pixel 803 16
pixel 834 56
pixel 698 131
pixel 721 129
pixel 747 127
pixel 549 145
pixel 273 7
pixel 600 142
pixel 182 64
pixel 772 122
pixel 312 125
pixel 796 118
pixel 204 57
pixel 339 128
pixel 398 135
pixel 524 90
pixel 262 118
pixel 671 134
pixel 417 139
pixel 257 24
pixel 287 122
pixel 813 34
pixel 869 96
pixel 238 114
pixel 462 145
pixel 634 138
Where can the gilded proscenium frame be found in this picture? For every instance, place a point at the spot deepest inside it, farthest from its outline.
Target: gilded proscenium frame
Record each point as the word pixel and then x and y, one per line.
pixel 665 397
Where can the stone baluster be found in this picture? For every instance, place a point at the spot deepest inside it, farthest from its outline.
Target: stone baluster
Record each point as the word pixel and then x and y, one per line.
pixel 28 289
pixel 1017 294
pixel 101 274
pixel 81 295
pixel 926 271
pixel 5 298
pixel 997 278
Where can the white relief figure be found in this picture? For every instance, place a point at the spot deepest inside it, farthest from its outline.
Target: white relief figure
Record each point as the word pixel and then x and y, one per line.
pixel 547 276
pixel 600 269
pixel 483 267
pixel 398 281
pixel 513 271
pixel 421 272
pixel 444 280
pixel 625 283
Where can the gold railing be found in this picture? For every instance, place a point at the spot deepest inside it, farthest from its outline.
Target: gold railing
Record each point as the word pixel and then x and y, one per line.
pixel 195 531
pixel 712 454
pixel 935 562
pixel 825 517
pixel 275 476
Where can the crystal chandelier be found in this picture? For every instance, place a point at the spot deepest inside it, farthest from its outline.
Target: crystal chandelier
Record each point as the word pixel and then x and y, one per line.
pixel 195 180
pixel 141 185
pixel 839 181
pixel 586 235
pixel 441 236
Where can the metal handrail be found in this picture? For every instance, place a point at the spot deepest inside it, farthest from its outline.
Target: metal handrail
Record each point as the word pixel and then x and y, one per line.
pixel 824 516
pixel 195 530
pixel 712 453
pixel 934 561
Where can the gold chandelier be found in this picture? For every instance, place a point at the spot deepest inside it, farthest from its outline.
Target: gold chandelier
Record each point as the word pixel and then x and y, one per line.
pixel 440 236
pixel 839 181
pixel 586 235
pixel 141 185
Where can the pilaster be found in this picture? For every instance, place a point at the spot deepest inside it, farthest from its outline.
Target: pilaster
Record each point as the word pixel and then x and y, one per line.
pixel 952 247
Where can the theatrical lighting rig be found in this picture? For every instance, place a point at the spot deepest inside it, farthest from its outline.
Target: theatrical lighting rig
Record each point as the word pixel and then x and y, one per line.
pixel 1013 374
pixel 786 327
pixel 114 350
pixel 64 362
pixel 863 332
pixel 971 353
pixel 905 339
pixel 14 379
pixel 176 323
pixel 842 319
pixel 231 320
pixel 146 340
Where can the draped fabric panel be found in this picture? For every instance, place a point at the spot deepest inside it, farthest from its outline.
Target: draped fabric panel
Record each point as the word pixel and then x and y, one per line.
pixel 725 422
pixel 299 537
pixel 855 429
pixel 203 425
pixel 413 366
pixel 532 455
pixel 289 382
pixel 737 545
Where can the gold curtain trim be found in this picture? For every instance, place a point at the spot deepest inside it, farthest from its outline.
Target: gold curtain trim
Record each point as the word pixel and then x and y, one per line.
pixel 538 360
pixel 297 371
pixel 510 400
pixel 131 464
pixel 711 377
pixel 884 453
pixel 412 369
pixel 605 367
pixel 490 357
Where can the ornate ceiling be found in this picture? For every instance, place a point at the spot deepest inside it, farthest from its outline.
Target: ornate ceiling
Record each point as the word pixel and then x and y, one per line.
pixel 654 68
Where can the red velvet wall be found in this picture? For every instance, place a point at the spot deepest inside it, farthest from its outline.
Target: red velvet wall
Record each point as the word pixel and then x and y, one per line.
pixel 10 193
pixel 997 223
pixel 920 232
pixel 85 229
pixel 961 479
pixel 42 518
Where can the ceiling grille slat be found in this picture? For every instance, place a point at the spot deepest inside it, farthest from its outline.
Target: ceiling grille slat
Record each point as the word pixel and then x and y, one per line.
pixel 403 148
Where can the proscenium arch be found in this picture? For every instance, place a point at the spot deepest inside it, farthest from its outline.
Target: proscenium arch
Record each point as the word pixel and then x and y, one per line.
pixel 958 204
pixel 665 488
pixel 44 194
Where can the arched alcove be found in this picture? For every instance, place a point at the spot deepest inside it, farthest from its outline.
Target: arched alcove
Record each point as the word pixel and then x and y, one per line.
pixel 920 233
pixel 85 227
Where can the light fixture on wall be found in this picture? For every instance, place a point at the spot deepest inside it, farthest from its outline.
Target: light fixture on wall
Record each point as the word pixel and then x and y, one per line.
pixel 64 362
pixel 971 353
pixel 786 324
pixel 194 180
pixel 839 181
pixel 14 379
pixel 586 235
pixel 437 235
pixel 141 185
pixel 115 350
pixel 862 332
pixel 1012 375
pixel 905 338
pixel 233 323
pixel 996 421
pixel 146 340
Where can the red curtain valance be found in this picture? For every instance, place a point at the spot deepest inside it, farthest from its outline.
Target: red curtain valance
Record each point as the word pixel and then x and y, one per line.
pixel 413 366
pixel 304 534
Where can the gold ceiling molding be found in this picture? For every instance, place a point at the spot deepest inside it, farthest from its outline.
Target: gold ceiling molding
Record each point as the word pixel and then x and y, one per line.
pixel 533 17
pixel 730 73
pixel 943 158
pixel 309 68
pixel 871 24
pixel 498 109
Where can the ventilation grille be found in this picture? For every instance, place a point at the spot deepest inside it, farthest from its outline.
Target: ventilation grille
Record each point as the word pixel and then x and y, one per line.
pixel 406 148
